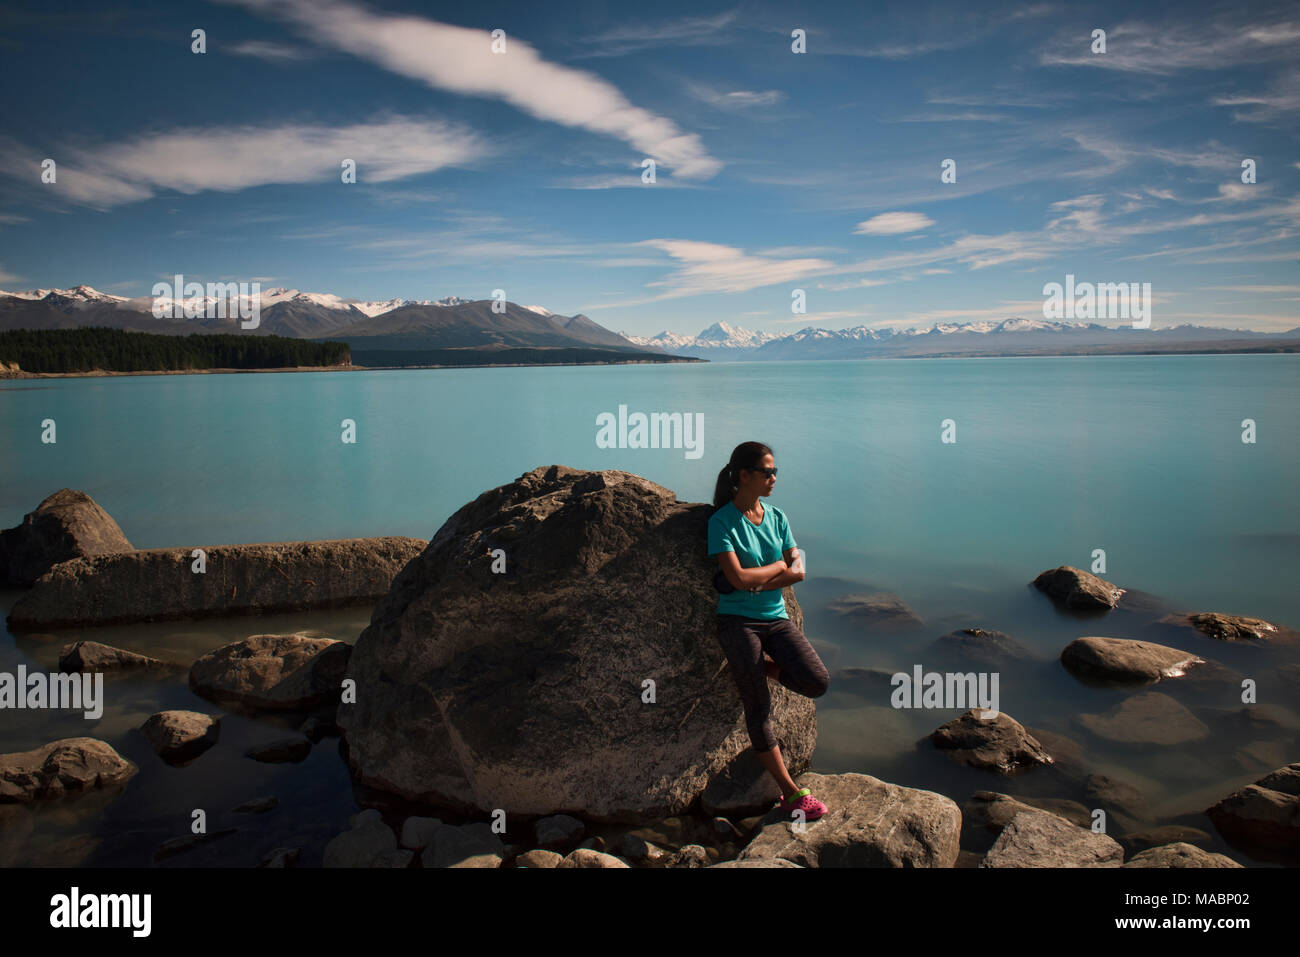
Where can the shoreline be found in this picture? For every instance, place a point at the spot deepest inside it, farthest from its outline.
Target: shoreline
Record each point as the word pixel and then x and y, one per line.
pixel 106 373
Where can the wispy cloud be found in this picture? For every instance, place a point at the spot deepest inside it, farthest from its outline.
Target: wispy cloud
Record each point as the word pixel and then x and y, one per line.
pixel 890 224
pixel 734 99
pixel 271 52
pixel 1174 46
pixel 636 36
pixel 232 158
pixel 460 60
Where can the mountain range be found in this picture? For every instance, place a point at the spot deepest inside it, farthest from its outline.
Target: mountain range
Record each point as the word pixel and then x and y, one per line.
pixel 1003 337
pixel 458 331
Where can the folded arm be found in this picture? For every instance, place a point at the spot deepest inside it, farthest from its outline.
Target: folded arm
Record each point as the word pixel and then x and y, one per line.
pixel 765 577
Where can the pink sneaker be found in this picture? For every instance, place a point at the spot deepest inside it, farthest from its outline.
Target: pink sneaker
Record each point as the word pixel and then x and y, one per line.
pixel 802 800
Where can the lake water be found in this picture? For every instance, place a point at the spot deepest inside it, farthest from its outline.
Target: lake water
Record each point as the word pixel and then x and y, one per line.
pixel 1054 457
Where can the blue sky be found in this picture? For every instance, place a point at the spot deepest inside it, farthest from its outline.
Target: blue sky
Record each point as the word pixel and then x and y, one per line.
pixel 775 170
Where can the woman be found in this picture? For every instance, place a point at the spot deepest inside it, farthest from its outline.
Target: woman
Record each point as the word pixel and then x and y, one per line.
pixel 758 556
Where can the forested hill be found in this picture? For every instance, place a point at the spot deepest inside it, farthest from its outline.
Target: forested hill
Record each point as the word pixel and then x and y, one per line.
pixel 99 348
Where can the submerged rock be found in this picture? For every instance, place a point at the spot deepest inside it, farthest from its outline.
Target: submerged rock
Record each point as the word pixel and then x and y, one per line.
pixel 879 610
pixel 92 656
pixel 530 689
pixel 1076 589
pixel 1147 719
pixel 68 524
pixel 1229 627
pixel 1265 814
pixel 66 766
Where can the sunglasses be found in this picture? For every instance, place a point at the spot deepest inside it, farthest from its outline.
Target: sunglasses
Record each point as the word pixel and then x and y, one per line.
pixel 770 473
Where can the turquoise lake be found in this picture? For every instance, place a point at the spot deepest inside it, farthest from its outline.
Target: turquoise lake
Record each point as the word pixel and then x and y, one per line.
pixel 1054 457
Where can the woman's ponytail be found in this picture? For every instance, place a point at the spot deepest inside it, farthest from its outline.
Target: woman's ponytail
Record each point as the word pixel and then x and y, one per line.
pixel 746 455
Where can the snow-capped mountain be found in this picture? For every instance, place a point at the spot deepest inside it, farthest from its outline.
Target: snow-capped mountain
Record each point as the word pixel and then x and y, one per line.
pixel 720 335
pixel 79 294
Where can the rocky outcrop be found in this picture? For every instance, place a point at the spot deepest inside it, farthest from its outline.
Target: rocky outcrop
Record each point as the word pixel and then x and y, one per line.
pixel 66 766
pixel 180 736
pixel 1179 855
pixel 584 676
pixel 1125 660
pixel 987 813
pixel 68 524
pixel 998 744
pixel 1265 814
pixel 868 823
pixel 273 672
pixel 1078 590
pixel 92 656
pixel 1038 839
pixel 159 584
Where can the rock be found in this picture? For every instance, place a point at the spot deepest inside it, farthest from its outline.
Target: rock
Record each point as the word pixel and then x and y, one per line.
pixel 187 842
pixel 417 832
pixel 157 584
pixel 1146 719
pixel 583 857
pixel 259 805
pixel 82 656
pixel 67 525
pixel 633 848
pixel 559 830
pixel 868 823
pixel 1265 814
pixel 999 744
pixel 524 690
pixel 539 858
pixel 273 672
pixel 368 816
pixel 1136 842
pixel 179 736
pixel 1077 589
pixel 1229 627
pixel 1038 839
pixel 281 857
pixel 280 751
pixel 692 855
pixel 1180 855
pixel 1126 659
pixel 360 846
pixel 977 645
pixel 987 812
pixel 401 857
pixel 878 609
pixel 760 862
pixel 595 843
pixel 1067 755
pixel 465 845
pixel 66 766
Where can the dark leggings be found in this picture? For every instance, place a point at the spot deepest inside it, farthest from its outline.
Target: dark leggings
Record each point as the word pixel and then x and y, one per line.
pixel 744 640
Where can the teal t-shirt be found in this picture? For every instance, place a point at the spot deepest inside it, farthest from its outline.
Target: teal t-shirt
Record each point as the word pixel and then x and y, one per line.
pixel 755 546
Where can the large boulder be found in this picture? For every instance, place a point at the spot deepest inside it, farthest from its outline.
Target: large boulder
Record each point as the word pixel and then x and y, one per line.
pixel 66 766
pixel 1180 855
pixel 529 689
pixel 868 823
pixel 272 672
pixel 68 524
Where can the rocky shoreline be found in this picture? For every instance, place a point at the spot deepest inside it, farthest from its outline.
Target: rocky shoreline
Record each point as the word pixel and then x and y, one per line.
pixel 539 686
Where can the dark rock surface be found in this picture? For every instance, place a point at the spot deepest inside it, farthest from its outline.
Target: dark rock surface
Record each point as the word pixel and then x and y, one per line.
pixel 68 524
